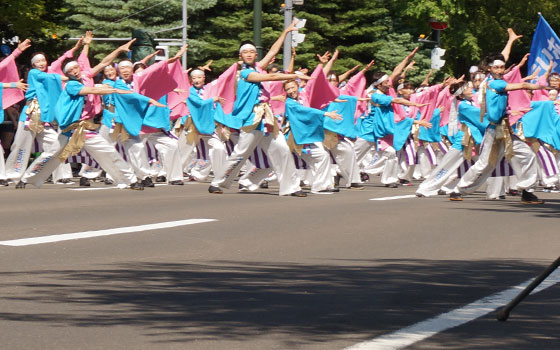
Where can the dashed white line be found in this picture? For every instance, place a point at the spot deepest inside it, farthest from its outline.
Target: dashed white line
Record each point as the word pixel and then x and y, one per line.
pixel 391 198
pixel 108 232
pixel 425 329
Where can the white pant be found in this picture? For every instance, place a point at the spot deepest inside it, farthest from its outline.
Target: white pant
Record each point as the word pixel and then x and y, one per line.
pixel 2 164
pixel 446 169
pixel 168 150
pixel 319 162
pixel 16 164
pixel 347 162
pixel 524 165
pixel 277 151
pixel 100 149
pixel 387 165
pixel 138 157
pixel 217 155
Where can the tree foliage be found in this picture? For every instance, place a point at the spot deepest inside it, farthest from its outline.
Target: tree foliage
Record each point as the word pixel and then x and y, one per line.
pixel 360 29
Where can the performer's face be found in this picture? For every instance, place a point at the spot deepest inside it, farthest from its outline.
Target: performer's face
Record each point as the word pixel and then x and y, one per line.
pixel 555 83
pixel 74 73
pixel 292 90
pixel 248 56
pixel 110 73
pixel 405 93
pixel 125 73
pixel 40 64
pixel 467 93
pixel 385 85
pixel 198 80
pixel 497 71
pixel 478 79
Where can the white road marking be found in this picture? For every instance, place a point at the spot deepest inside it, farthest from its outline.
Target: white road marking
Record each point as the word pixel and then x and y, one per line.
pixel 391 198
pixel 108 232
pixel 425 329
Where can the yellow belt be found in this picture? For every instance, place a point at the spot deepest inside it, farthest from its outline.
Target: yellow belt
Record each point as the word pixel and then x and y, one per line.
pixel 78 139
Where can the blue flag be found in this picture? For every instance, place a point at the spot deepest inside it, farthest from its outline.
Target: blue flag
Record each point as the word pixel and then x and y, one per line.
pixel 545 49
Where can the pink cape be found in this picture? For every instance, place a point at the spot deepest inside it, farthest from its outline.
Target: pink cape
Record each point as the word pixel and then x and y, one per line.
pixel 518 100
pixel 318 91
pixel 224 87
pixel 356 87
pixel 177 101
pixel 157 80
pixel 9 74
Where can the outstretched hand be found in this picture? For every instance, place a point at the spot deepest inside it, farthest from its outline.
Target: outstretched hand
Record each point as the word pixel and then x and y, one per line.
pixel 88 38
pixel 512 36
pixel 22 46
pixel 126 47
pixel 333 115
pixel 325 58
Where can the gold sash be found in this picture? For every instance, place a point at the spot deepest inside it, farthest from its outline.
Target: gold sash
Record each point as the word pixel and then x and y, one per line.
pixel 223 132
pixel 534 143
pixel 178 127
pixel 78 139
pixel 503 132
pixel 263 111
pixel 192 132
pixel 119 132
pixel 331 139
pixel 34 114
pixel 467 142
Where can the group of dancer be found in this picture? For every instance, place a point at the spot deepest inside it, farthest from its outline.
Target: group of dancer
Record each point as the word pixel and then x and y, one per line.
pixel 141 124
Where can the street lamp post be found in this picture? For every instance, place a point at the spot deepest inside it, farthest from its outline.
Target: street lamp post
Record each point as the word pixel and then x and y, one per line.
pixel 257 26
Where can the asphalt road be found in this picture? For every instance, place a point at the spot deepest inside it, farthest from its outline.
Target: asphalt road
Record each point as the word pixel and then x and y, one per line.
pixel 322 272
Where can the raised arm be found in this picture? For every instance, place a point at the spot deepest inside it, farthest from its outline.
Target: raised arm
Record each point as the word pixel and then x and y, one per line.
pixel 179 54
pixel 87 41
pixel 292 61
pixel 346 74
pixel 400 67
pixel 111 57
pixel 275 48
pixel 327 68
pixel 426 81
pixel 512 37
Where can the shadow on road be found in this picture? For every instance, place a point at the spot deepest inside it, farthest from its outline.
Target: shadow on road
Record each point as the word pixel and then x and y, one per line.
pixel 238 300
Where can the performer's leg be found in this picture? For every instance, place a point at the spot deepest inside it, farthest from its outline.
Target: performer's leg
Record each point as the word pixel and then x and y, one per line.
pixel 446 168
pixel 280 156
pixel 20 151
pixel 246 143
pixel 109 159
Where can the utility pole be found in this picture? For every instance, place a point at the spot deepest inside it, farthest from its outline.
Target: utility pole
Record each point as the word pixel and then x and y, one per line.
pixel 184 40
pixel 257 26
pixel 288 17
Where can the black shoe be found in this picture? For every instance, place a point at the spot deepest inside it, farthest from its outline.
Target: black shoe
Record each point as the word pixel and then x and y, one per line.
pixel 3 182
pixel 160 179
pixel 502 197
pixel 393 185
pixel 298 194
pixel 84 182
pixel 147 182
pixel 177 182
pixel 243 188
pixel 356 186
pixel 108 181
pixel 454 196
pixel 336 189
pixel 337 180
pixel 364 177
pixel 441 193
pixel 215 190
pixel 404 182
pixel 137 186
pixel 304 186
pixel 20 185
pixel 264 184
pixel 530 198
pixel 513 193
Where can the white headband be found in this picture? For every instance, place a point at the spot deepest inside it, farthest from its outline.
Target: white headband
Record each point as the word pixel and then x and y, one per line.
pixel 497 63
pixel 125 64
pixel 37 57
pixel 197 72
pixel 247 47
pixel 380 80
pixel 401 86
pixel 69 65
pixel 109 66
pixel 459 91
